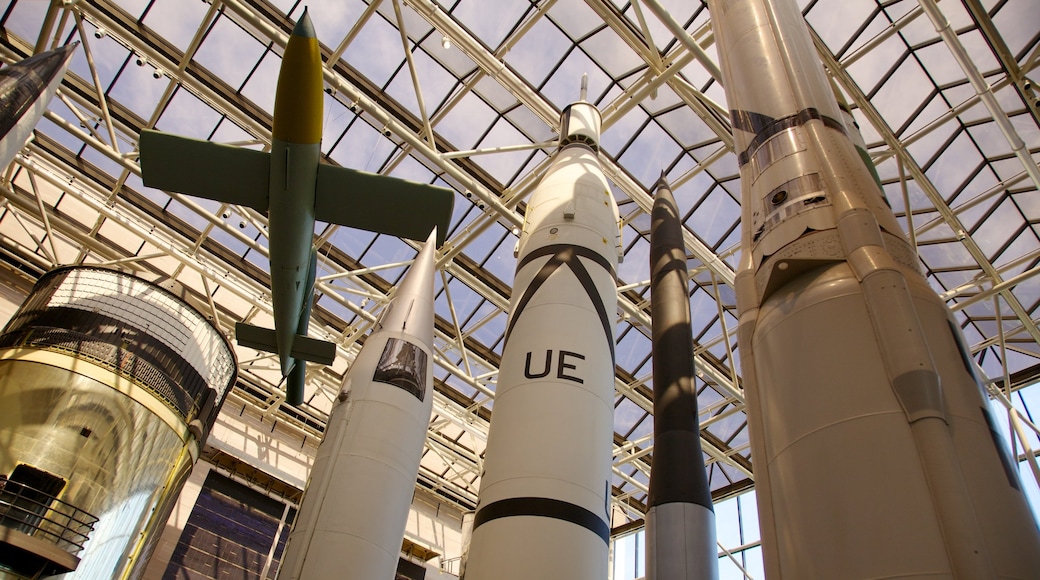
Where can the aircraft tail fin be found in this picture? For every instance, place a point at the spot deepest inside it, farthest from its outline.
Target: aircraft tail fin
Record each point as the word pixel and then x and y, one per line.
pixel 304 347
pixel 215 171
pixel 382 204
pixel 311 349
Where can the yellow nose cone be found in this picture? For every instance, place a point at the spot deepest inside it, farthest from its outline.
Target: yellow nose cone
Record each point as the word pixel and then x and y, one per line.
pixel 298 99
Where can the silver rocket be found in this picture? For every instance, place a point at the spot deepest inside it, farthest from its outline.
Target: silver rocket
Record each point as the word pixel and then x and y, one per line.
pixel 355 507
pixel 26 88
pixel 544 500
pixel 874 452
pixel 680 521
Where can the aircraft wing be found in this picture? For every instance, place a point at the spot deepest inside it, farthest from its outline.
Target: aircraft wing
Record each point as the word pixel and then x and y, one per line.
pixel 382 204
pixel 215 171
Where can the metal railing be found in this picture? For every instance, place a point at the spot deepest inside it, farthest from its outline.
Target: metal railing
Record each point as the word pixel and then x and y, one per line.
pixel 36 513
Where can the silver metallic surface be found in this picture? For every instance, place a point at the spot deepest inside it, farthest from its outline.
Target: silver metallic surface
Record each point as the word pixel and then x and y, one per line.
pixel 872 440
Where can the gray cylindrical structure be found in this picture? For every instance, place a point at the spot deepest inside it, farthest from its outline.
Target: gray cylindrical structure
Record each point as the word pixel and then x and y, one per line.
pixel 109 384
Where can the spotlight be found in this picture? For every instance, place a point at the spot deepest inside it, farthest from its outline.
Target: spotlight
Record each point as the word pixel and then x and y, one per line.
pixel 99 33
pixel 445 43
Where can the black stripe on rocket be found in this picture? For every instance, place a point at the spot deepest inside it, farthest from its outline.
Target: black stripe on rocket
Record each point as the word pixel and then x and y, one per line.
pixel 677 472
pixel 764 126
pixel 546 508
pixel 565 255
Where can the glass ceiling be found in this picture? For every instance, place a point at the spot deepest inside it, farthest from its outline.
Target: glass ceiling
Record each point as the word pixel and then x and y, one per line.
pixel 465 94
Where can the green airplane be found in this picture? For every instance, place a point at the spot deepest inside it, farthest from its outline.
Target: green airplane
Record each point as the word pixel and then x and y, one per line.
pixel 294 189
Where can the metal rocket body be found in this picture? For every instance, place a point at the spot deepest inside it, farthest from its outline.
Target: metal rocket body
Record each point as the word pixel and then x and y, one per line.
pixel 26 88
pixel 545 491
pixel 355 507
pixel 875 455
pixel 680 521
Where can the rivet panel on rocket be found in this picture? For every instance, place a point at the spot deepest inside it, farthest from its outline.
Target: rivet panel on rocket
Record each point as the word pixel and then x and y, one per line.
pixel 545 492
pixel 355 507
pixel 873 448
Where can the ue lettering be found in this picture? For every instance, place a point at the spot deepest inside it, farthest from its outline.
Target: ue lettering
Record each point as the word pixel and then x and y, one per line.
pixel 562 365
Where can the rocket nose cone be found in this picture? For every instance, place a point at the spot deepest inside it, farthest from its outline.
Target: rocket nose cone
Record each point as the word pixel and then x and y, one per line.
pixel 304 26
pixel 662 183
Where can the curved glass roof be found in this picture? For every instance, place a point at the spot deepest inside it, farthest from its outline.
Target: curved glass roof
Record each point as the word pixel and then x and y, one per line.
pixel 466 94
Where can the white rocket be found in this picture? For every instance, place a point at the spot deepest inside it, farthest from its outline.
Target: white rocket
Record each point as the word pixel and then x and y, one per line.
pixel 545 492
pixel 355 507
pixel 874 452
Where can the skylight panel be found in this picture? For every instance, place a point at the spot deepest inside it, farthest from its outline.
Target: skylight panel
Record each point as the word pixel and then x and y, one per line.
pixel 26 19
pixel 564 86
pixel 1020 242
pixel 926 151
pixel 388 250
pixel 686 127
pixel 650 151
pixel 902 93
pixel 953 164
pixel 102 161
pixel 714 216
pixel 376 64
pixel 537 53
pixel 612 53
pixel 490 26
pixel 575 18
pixel 499 259
pixel 229 51
pixel 492 329
pixel 1029 204
pixel 187 115
pixel 631 351
pixel 262 81
pixel 1017 31
pixel 531 125
pixel 466 122
pixel 642 429
pixel 463 298
pixel 993 233
pixel 636 266
pixel 175 20
pixel 108 56
pixel 361 147
pixel 940 64
pixel 137 89
pixel 616 136
pixel 435 81
pixel 946 255
pixel 837 23
pixel 502 166
pixel 871 70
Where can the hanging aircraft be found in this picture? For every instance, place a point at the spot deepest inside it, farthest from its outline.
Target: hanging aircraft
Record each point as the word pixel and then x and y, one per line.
pixel 295 190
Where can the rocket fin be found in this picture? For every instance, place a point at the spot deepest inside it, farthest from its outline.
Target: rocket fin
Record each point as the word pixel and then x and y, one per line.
pixel 376 203
pixel 215 171
pixel 304 347
pixel 256 337
pixel 313 350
